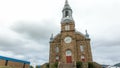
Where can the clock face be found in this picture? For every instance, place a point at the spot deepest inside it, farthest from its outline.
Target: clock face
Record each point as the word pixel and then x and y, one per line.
pixel 67 39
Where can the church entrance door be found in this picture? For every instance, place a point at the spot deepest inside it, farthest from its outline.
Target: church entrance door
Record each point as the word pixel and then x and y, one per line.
pixel 68 56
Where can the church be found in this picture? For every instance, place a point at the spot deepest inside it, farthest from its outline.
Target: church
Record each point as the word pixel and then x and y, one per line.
pixel 70 45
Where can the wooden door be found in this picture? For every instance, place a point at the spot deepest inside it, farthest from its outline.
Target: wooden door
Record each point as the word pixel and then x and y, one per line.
pixel 69 59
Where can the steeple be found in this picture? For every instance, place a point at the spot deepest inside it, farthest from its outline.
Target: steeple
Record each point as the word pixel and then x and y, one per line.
pixel 67 13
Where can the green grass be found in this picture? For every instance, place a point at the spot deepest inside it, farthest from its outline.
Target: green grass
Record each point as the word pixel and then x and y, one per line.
pixel 5 67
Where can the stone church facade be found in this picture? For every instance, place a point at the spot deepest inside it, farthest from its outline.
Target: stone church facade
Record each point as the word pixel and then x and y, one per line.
pixel 69 45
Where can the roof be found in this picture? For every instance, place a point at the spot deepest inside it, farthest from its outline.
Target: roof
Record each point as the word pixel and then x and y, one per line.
pixel 66 6
pixel 14 60
pixel 77 32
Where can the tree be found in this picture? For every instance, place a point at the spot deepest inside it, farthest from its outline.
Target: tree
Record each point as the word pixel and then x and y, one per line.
pixel 31 66
pixel 38 66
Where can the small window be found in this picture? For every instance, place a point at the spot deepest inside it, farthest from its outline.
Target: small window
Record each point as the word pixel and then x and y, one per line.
pixel 57 58
pixel 57 49
pixel 67 27
pixel 81 48
pixel 82 58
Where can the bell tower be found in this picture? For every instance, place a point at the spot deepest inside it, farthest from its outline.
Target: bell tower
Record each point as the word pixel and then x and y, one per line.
pixel 67 22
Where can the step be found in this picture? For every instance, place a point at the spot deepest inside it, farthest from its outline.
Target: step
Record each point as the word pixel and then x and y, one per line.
pixel 66 65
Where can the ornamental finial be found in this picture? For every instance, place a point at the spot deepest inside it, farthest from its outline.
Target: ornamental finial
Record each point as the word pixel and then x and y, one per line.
pixel 87 35
pixel 66 2
pixel 51 38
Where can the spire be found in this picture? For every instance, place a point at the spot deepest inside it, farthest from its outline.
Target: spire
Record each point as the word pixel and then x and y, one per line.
pixel 66 2
pixel 67 13
pixel 66 6
pixel 87 35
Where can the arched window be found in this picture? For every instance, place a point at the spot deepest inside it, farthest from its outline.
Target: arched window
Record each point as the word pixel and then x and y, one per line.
pixel 57 49
pixel 68 53
pixel 81 48
pixel 66 13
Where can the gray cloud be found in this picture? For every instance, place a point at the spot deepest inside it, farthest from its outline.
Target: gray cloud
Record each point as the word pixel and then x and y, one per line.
pixel 35 30
pixel 29 39
pixel 106 55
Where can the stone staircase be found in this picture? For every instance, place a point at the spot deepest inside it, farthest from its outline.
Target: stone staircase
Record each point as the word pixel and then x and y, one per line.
pixel 66 65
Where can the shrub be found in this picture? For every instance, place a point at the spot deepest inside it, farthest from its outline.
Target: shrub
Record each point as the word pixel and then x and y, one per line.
pixel 56 64
pixel 91 65
pixel 47 65
pixel 79 64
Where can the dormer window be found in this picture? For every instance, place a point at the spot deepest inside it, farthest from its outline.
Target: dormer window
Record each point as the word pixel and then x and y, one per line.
pixel 67 27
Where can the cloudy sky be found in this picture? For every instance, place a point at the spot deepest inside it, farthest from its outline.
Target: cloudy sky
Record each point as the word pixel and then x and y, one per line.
pixel 26 26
